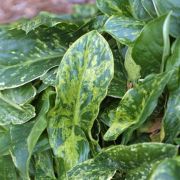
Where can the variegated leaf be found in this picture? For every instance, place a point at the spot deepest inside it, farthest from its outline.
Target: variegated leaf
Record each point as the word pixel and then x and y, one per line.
pixel 7 169
pixel 123 29
pixel 138 11
pixel 13 113
pixel 137 158
pixel 20 95
pixel 163 7
pixel 149 7
pixel 49 20
pixel 24 58
pixel 44 166
pixel 171 120
pixel 83 79
pixel 152 46
pixel 5 141
pixel 114 7
pixel 118 85
pixel 167 169
pixel 50 77
pixel 137 104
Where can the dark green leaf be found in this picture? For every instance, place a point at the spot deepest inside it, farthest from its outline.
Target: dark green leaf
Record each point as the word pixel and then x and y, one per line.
pixel 123 29
pixel 20 95
pixel 46 19
pixel 7 169
pixel 44 166
pixel 164 7
pixel 149 7
pixel 138 10
pixel 12 113
pixel 152 46
pixel 24 58
pixel 171 120
pixel 167 170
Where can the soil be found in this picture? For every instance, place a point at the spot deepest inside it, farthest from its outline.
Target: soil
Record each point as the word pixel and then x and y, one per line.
pixel 11 10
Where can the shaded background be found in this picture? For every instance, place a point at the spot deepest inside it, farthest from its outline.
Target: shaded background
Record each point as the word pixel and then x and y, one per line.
pixel 11 10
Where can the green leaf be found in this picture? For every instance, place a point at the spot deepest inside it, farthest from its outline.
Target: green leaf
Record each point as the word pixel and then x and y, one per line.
pixel 5 141
pixel 123 29
pixel 149 7
pixel 113 7
pixel 39 125
pixel 164 7
pixel 24 58
pixel 19 150
pixel 12 113
pixel 171 119
pixel 166 170
pixel 152 46
pixel 133 70
pixel 50 77
pixel 137 105
pixel 44 166
pixel 48 20
pixel 7 169
pixel 124 159
pixel 20 95
pixel 84 75
pixel 118 85
pixel 138 10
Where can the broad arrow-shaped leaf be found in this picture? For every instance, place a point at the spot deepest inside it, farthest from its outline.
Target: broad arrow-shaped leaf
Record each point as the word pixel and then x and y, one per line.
pixel 163 7
pixel 83 79
pixel 123 29
pixel 137 158
pixel 24 58
pixel 137 104
pixel 152 46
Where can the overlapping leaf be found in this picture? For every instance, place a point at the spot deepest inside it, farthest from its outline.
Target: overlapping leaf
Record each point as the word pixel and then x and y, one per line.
pixel 13 113
pixel 171 118
pixel 163 7
pixel 113 7
pixel 152 46
pixel 134 158
pixel 167 169
pixel 137 104
pixel 24 58
pixel 83 78
pixel 123 29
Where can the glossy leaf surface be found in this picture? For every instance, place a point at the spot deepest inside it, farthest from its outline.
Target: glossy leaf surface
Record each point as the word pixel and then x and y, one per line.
pixel 123 158
pixel 83 78
pixel 24 58
pixel 123 29
pixel 164 7
pixel 140 101
pixel 114 7
pixel 152 46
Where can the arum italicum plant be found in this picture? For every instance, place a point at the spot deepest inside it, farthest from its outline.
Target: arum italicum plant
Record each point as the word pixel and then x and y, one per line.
pixel 93 95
